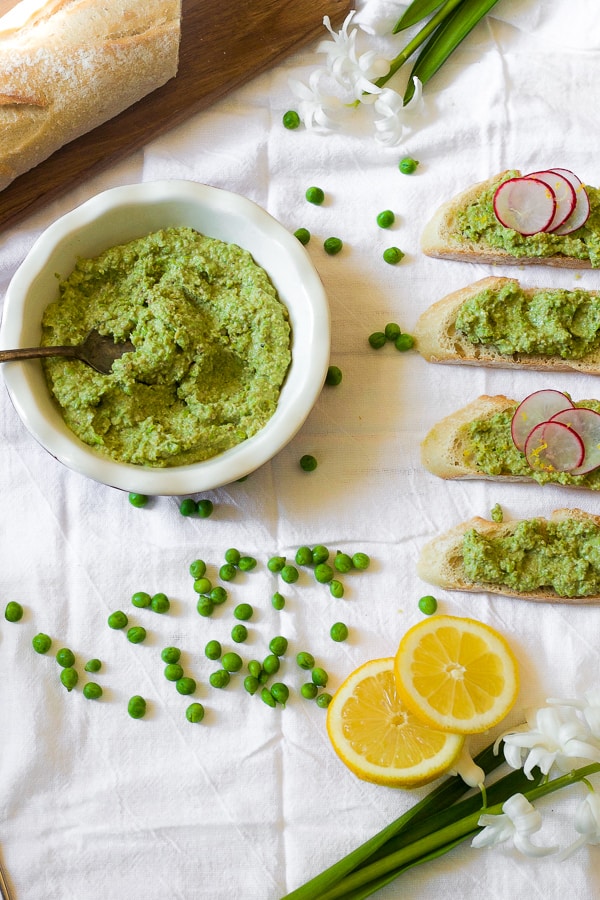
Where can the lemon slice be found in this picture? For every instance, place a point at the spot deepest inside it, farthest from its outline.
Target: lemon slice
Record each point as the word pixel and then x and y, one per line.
pixel 376 736
pixel 456 674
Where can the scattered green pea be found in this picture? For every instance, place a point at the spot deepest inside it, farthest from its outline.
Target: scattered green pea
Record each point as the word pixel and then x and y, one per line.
pixel 185 685
pixel 280 692
pixel 377 340
pixel 323 573
pixel 41 643
pixel 336 588
pixel 309 690
pixel 308 462
pixel 170 654
pixel 13 611
pixel 243 611
pixel 291 119
pixel 267 697
pixel 202 585
pixel 319 677
pixel 251 684
pixel 334 376
pixel 197 568
pixel 392 331
pixel 393 255
pixel 408 165
pixel 361 561
pixel 92 691
pixel 141 599
pixel 290 574
pixel 304 556
pixel 232 661
pixel 138 500
pixel 136 634
pixel 276 564
pixel 271 664
pixel 195 712
pixel 428 605
pixel 332 245
pixel 173 672
pixel 160 603
pixel 303 235
pixel 93 665
pixel 220 678
pixel 213 650
pixel 386 218
pixel 404 342
pixel 247 563
pixel 205 508
pixel 136 707
pixel 255 668
pixel 239 633
pixel 320 554
pixel 65 658
pixel 324 699
pixel 342 562
pixel 315 195
pixel 278 645
pixel 218 595
pixel 69 677
pixel 117 619
pixel 338 632
pixel 205 606
pixel 232 556
pixel 305 660
pixel 277 601
pixel 188 507
pixel 227 572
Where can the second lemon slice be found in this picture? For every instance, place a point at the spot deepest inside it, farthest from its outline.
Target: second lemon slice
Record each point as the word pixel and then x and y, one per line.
pixel 456 674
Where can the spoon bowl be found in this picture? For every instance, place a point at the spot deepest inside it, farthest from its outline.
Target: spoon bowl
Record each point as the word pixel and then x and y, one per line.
pixel 97 350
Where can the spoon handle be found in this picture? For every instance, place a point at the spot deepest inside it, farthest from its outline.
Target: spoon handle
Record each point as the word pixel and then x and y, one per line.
pixel 4 889
pixel 37 352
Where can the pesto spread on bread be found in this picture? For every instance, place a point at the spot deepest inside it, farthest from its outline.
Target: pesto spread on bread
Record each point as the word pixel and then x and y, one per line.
pixel 537 554
pixel 547 322
pixel 212 348
pixel 477 223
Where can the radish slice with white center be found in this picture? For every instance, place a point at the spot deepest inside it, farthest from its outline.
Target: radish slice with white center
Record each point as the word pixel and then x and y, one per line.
pixel 553 447
pixel 526 205
pixel 586 424
pixel 537 407
pixel 563 191
pixel 580 213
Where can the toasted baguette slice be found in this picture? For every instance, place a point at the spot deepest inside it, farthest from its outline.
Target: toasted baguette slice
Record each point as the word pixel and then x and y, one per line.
pixel 441 237
pixel 440 562
pixel 438 341
pixel 444 450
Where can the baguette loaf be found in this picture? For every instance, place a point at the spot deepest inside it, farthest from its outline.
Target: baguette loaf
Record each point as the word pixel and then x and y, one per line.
pixel 442 237
pixel 438 341
pixel 441 560
pixel 67 66
pixel 446 452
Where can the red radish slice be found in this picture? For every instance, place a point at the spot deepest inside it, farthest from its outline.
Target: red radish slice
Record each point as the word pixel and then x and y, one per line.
pixel 580 213
pixel 553 447
pixel 526 205
pixel 537 407
pixel 586 423
pixel 563 191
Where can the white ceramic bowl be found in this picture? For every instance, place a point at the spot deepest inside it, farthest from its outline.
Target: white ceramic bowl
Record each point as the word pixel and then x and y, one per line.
pixel 122 214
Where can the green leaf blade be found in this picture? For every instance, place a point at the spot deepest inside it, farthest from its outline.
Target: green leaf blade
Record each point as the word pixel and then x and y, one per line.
pixel 416 12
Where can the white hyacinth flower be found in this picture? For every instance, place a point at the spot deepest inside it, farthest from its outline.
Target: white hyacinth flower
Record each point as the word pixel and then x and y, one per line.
pixel 389 106
pixel 589 708
pixel 587 824
pixel 353 71
pixel 318 110
pixel 518 820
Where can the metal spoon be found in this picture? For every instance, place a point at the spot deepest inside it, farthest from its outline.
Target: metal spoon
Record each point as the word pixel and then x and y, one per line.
pixel 98 350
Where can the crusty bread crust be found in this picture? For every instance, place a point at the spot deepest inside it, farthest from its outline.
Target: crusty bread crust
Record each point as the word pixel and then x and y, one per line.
pixel 440 562
pixel 441 236
pixel 437 340
pixel 67 66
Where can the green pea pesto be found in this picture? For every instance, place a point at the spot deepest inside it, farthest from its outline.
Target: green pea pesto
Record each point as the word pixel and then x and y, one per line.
pixel 551 322
pixel 537 554
pixel 477 222
pixel 212 348
pixel 488 448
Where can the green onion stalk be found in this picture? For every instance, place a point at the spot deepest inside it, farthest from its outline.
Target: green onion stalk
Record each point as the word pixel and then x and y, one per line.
pixel 430 829
pixel 439 37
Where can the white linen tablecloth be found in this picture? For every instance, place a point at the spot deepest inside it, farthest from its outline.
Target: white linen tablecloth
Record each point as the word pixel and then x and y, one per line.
pixel 253 801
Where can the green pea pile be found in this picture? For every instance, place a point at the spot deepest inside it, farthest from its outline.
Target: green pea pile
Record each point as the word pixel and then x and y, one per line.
pixel 392 333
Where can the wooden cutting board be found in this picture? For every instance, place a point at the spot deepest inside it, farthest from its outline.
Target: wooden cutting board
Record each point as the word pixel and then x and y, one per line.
pixel 224 43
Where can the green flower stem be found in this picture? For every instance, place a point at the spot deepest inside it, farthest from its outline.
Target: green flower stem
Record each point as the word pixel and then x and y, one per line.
pixel 441 797
pixel 440 841
pixel 418 39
